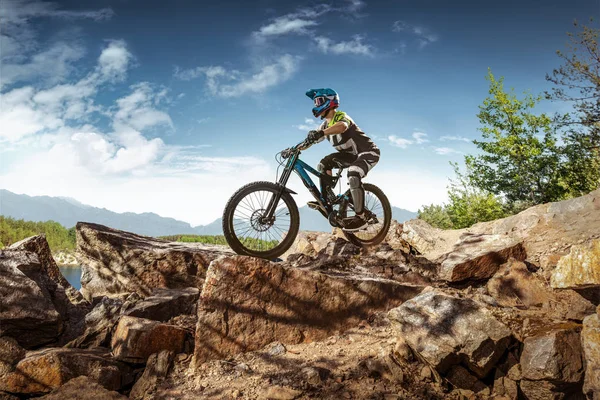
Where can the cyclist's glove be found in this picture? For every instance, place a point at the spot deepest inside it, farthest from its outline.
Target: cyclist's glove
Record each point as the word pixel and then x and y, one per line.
pixel 314 136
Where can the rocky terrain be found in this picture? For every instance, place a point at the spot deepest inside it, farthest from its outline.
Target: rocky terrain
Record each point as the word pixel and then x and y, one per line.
pixel 503 310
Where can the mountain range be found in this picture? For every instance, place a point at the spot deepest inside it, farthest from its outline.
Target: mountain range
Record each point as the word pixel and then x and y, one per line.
pixel 67 212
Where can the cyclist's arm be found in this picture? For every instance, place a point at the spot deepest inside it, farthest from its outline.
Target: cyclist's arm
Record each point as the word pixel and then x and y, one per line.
pixel 336 129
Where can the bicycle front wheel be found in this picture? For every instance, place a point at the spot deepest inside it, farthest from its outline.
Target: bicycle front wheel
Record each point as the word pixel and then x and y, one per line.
pixel 246 229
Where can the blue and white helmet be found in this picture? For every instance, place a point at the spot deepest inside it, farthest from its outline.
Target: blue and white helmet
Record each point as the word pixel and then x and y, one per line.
pixel 324 100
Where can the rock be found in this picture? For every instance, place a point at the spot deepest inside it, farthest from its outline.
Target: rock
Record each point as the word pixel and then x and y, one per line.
pixel 460 378
pixel 157 369
pixel 82 388
pixel 135 339
pixel 165 304
pixel 446 330
pixel 247 303
pixel 280 393
pixel 6 396
pixel 478 257
pixel 276 349
pixel 44 370
pixel 68 301
pixel 117 262
pixel 425 373
pixel 311 375
pixel 541 390
pixel 545 230
pixel 402 350
pixel 10 353
pixel 394 237
pixel 308 243
pixel 579 269
pixel 27 313
pixel 100 323
pixel 590 338
pixel 513 285
pixel 553 356
pixel 505 386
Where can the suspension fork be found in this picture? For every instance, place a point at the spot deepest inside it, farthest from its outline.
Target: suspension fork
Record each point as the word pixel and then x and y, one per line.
pixel 285 176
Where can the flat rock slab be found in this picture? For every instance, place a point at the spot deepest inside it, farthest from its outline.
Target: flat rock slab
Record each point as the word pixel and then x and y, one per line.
pixel 82 388
pixel 165 304
pixel 476 257
pixel 545 230
pixel 553 356
pixel 116 262
pixel 247 303
pixel 446 331
pixel 590 336
pixel 27 312
pixel 579 269
pixel 45 370
pixel 136 339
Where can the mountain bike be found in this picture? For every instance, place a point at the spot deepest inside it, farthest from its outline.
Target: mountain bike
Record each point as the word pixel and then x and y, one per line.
pixel 261 219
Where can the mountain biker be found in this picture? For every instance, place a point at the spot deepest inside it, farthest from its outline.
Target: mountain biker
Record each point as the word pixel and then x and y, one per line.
pixel 354 149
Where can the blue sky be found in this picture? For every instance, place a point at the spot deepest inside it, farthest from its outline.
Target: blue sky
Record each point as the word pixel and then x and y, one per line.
pixel 170 106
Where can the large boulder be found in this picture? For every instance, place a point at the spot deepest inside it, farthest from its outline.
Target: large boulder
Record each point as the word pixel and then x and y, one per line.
pixel 69 302
pixel 115 262
pixel 479 256
pixel 10 354
pixel 446 331
pixel 44 370
pixel 27 312
pixel 579 269
pixel 136 339
pixel 546 230
pixel 590 336
pixel 247 303
pixel 82 388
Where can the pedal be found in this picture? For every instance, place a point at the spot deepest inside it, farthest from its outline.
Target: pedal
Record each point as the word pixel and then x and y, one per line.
pixel 314 205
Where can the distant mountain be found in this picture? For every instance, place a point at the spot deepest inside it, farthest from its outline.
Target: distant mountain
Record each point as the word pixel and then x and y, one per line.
pixel 68 212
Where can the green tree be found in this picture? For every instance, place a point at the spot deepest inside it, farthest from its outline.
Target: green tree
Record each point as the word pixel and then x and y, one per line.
pixel 436 215
pixel 520 158
pixel 577 82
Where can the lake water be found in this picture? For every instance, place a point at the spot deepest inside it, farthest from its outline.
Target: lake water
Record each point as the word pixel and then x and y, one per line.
pixel 72 275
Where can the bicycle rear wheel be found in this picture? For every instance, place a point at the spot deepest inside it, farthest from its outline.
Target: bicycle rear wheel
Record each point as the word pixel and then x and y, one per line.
pixel 245 228
pixel 379 211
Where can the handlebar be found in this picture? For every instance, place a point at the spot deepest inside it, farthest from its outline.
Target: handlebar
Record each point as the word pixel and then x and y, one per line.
pixel 287 153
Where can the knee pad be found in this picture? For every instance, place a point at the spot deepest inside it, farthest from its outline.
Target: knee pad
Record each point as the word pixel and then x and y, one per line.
pixel 354 182
pixel 321 167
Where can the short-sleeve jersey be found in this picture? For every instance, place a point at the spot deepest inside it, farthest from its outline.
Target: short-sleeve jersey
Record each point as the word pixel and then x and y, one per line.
pixel 353 140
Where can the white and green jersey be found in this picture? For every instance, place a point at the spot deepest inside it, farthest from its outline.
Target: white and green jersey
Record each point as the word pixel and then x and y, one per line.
pixel 352 140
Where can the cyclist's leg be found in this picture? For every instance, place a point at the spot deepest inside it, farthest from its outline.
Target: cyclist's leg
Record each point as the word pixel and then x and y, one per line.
pixel 358 170
pixel 329 162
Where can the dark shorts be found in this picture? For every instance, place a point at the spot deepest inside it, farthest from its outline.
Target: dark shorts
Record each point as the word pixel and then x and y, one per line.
pixel 358 164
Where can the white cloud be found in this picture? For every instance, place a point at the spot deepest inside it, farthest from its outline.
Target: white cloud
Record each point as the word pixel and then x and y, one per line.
pixel 232 83
pixel 399 142
pixel 424 35
pixel 355 46
pixel 455 138
pixel 420 137
pixel 308 125
pixel 114 61
pixel 297 23
pixel 18 42
pixel 137 109
pixel 446 150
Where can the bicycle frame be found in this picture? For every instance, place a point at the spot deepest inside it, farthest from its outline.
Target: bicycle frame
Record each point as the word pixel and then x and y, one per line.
pixel 300 167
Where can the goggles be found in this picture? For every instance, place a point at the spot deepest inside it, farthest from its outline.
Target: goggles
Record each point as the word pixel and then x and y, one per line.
pixel 319 101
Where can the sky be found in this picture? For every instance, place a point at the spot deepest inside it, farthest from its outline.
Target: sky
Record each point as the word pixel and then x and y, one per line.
pixel 169 107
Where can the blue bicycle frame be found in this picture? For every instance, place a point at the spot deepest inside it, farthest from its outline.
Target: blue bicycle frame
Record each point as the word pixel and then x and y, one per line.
pixel 300 167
